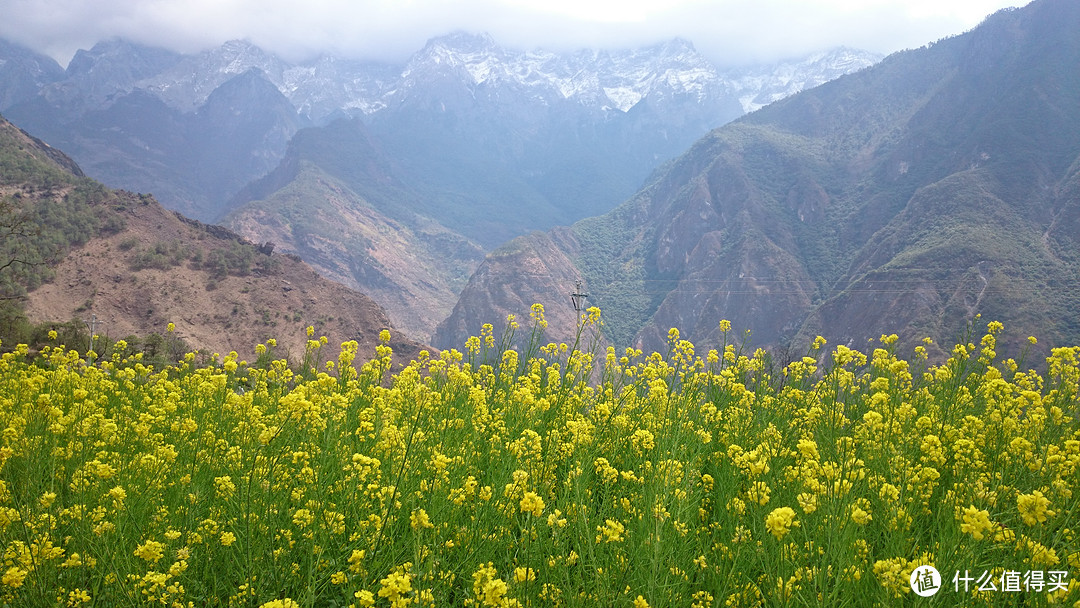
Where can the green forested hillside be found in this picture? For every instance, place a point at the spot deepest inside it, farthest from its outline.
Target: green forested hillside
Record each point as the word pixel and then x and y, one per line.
pixel 46 207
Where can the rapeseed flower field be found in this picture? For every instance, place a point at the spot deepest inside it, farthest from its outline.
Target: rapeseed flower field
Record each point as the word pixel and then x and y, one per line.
pixel 554 476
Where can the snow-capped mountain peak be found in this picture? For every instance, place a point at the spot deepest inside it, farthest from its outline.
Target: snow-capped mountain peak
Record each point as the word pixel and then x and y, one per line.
pixel 602 80
pixel 762 85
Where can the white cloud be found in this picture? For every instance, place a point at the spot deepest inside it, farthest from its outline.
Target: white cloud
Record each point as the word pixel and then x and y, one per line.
pixel 729 31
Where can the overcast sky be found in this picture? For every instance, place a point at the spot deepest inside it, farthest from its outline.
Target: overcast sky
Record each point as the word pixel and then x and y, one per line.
pixel 729 32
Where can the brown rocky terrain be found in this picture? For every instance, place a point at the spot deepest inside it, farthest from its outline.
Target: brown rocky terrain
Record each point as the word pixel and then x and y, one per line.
pixel 155 267
pixel 235 314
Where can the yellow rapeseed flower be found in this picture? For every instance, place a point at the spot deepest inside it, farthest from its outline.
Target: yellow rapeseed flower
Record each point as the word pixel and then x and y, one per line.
pixel 150 551
pixel 537 316
pixel 758 492
pixel 532 503
pixel 356 560
pixel 224 486
pixel 780 521
pixel 419 520
pixel 1033 507
pixel 365 598
pixel 859 516
pixel 611 532
pixel 302 518
pixel 975 522
pixel 808 448
pixel 395 588
pixel 14 577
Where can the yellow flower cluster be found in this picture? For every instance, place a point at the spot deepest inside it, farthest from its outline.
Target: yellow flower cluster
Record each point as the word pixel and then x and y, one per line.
pixel 532 503
pixel 542 475
pixel 1033 508
pixel 780 521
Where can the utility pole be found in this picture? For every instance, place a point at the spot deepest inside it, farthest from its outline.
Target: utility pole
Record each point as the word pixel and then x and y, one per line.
pixel 578 299
pixel 92 326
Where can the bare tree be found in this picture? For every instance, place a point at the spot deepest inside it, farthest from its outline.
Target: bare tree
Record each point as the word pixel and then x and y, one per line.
pixel 15 228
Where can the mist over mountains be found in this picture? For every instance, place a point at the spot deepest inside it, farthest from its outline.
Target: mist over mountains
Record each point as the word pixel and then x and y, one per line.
pixel 940 184
pixel 391 179
pixel 142 117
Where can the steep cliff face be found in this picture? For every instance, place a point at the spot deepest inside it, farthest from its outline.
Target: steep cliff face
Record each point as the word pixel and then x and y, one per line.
pixel 906 198
pixel 23 73
pixel 193 161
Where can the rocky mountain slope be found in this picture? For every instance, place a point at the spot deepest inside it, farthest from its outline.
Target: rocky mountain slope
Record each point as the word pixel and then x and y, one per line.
pixel 465 146
pixel 908 197
pixel 488 144
pixel 412 266
pixel 24 73
pixel 133 266
pixel 142 118
pixel 125 135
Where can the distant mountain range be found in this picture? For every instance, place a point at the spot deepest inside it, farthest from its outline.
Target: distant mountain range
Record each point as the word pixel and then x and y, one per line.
pixel 429 164
pixel 151 119
pixel 942 183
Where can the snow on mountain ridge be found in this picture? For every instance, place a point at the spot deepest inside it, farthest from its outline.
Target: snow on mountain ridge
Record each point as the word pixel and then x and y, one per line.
pixel 189 83
pixel 600 79
pixel 759 86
